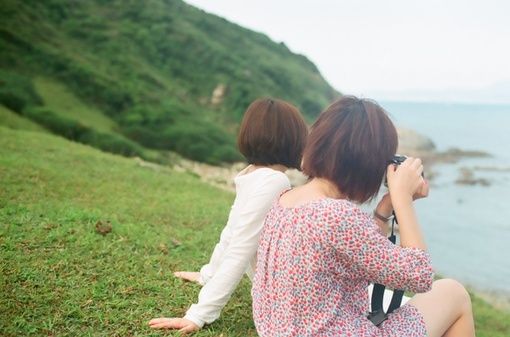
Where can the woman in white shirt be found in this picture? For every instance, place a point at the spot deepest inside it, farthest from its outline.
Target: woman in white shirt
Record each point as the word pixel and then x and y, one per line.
pixel 272 137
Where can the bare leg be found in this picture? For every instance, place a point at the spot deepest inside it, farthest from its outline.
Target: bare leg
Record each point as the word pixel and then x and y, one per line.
pixel 446 309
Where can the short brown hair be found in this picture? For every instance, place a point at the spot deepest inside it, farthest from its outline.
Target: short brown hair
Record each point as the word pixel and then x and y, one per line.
pixel 272 132
pixel 350 145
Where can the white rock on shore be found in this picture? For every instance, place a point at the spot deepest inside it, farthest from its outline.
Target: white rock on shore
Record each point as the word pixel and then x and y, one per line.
pixel 411 142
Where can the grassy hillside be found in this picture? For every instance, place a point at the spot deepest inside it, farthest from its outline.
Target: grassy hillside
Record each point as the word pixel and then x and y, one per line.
pixel 60 277
pixel 147 70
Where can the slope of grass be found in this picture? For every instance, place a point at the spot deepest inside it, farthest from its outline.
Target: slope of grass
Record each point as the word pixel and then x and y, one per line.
pixel 57 97
pixel 60 277
pixel 10 119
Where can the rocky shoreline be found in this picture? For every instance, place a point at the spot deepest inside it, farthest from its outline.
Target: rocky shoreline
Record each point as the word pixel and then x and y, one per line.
pixel 498 300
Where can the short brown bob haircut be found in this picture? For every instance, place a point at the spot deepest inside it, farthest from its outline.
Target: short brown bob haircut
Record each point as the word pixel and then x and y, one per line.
pixel 351 144
pixel 272 132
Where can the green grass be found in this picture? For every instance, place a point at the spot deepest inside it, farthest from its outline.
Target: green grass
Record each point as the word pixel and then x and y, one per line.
pixel 61 278
pixel 489 321
pixel 57 97
pixel 12 120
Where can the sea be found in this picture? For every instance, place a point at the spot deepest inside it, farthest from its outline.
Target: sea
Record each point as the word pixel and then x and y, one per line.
pixel 467 227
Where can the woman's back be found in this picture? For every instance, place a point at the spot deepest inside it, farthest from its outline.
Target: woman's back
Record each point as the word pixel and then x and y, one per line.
pixel 308 283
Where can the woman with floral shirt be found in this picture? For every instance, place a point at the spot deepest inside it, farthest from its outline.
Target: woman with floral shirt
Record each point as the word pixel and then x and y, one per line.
pixel 318 250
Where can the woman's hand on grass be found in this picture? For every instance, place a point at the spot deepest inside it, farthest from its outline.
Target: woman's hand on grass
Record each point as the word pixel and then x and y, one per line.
pixel 184 325
pixel 190 276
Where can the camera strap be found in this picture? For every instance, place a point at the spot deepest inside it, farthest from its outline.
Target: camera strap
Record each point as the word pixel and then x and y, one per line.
pixel 377 314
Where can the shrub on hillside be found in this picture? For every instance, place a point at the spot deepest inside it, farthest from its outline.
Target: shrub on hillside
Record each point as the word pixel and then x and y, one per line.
pixel 144 136
pixel 81 133
pixel 65 127
pixel 91 84
pixel 202 142
pixel 198 141
pixel 225 153
pixel 17 91
pixel 112 143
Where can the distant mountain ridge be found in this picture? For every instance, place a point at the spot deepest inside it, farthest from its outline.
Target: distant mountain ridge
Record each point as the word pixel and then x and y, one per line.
pixel 168 75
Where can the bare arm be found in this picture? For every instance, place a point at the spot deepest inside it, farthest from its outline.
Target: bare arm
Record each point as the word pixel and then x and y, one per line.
pixel 405 181
pixel 384 209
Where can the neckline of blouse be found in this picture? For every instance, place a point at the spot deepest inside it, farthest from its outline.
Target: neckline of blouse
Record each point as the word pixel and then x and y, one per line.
pixel 308 203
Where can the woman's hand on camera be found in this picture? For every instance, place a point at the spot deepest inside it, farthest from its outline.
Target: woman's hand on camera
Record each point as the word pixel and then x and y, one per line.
pixel 406 179
pixel 422 192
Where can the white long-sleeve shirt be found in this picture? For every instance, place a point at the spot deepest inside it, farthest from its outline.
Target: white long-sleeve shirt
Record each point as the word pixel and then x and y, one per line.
pixel 235 253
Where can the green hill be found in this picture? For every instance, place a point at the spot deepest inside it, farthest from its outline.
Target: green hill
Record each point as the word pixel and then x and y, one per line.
pixel 141 74
pixel 61 277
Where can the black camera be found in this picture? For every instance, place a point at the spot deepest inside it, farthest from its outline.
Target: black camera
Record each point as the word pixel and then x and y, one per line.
pixel 397 159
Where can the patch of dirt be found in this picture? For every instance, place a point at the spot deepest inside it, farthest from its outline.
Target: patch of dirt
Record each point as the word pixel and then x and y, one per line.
pixel 103 228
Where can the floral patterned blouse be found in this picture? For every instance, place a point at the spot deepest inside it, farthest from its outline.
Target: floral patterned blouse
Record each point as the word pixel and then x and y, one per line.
pixel 314 263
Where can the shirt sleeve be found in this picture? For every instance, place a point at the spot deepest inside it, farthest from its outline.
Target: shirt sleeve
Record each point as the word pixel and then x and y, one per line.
pixel 208 270
pixel 237 256
pixel 358 240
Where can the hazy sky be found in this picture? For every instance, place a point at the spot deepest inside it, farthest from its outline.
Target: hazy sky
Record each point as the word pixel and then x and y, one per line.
pixel 390 48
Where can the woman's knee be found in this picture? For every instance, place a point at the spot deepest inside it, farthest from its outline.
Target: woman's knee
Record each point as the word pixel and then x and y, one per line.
pixel 455 290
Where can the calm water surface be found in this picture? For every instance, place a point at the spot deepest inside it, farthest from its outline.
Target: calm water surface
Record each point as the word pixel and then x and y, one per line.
pixel 467 228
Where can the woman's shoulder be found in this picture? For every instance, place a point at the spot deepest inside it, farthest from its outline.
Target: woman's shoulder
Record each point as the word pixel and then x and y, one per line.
pixel 263 176
pixel 266 183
